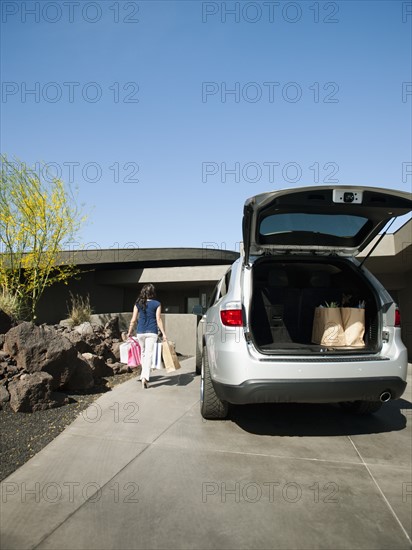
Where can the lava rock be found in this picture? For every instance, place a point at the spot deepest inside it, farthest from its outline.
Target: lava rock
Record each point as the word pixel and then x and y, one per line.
pixel 4 394
pixel 42 349
pixel 84 329
pixel 115 349
pixel 78 342
pixel 5 322
pixel 34 393
pixel 112 329
pixel 82 377
pixel 98 365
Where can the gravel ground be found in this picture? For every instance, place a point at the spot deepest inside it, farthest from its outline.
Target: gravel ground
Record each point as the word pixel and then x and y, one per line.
pixel 25 434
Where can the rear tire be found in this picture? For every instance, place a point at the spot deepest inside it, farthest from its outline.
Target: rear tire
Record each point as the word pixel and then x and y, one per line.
pixel 198 367
pixel 362 407
pixel 211 407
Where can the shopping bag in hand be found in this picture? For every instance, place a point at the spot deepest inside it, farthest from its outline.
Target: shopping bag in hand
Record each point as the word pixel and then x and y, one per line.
pixel 157 362
pixel 169 356
pixel 124 352
pixel 133 354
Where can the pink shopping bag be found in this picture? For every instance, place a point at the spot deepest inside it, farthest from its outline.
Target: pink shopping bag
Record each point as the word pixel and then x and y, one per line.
pixel 133 355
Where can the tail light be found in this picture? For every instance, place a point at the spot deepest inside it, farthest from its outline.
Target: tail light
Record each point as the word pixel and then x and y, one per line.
pixel 397 318
pixel 232 316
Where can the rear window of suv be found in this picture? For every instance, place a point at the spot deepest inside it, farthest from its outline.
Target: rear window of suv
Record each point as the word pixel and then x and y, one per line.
pixel 337 225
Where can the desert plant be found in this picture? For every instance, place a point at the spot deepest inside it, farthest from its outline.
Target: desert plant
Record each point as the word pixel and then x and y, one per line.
pixel 37 215
pixel 80 309
pixel 10 304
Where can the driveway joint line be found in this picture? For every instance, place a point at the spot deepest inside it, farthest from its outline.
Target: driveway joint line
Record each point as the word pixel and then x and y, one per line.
pixel 105 437
pixel 381 492
pixel 45 537
pixel 349 462
pixel 86 501
pixel 292 457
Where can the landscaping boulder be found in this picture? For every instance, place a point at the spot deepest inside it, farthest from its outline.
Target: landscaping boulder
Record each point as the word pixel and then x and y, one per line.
pixel 98 365
pixel 42 349
pixel 115 349
pixel 107 353
pixel 82 377
pixel 88 338
pixel 112 329
pixel 34 392
pixel 11 371
pixel 84 329
pixel 121 368
pixel 4 394
pixel 99 346
pixel 78 342
pixel 5 322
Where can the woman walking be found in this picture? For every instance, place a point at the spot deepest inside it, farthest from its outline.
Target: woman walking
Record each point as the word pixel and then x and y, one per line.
pixel 147 312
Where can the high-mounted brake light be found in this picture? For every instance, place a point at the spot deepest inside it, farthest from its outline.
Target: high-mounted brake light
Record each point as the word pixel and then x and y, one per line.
pixel 397 318
pixel 231 317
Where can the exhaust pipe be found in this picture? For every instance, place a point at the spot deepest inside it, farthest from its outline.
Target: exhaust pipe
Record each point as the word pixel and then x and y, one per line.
pixel 385 396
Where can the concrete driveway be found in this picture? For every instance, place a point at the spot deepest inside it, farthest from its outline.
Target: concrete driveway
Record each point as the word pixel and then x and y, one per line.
pixel 141 469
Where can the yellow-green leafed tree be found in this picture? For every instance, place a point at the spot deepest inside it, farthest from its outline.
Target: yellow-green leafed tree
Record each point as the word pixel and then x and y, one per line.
pixel 37 215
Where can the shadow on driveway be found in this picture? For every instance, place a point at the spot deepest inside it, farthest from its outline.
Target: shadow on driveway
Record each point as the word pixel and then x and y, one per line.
pixel 306 420
pixel 183 379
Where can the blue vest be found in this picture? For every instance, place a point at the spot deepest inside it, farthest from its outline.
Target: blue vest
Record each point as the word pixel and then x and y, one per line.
pixel 146 321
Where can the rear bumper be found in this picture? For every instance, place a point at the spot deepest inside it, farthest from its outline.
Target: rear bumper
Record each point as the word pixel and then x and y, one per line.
pixel 310 391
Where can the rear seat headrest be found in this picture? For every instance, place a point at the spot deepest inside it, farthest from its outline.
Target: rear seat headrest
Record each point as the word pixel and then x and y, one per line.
pixel 277 277
pixel 320 279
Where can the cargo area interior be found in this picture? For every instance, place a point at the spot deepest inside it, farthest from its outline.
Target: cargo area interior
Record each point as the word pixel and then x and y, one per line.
pixel 286 293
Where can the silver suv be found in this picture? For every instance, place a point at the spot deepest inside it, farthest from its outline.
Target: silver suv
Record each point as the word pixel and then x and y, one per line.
pixel 258 338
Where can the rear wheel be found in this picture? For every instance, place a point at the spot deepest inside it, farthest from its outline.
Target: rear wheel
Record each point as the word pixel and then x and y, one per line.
pixel 362 407
pixel 211 407
pixel 198 359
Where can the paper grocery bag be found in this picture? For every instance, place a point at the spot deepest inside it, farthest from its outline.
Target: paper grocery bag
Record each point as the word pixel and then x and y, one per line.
pixel 327 327
pixel 353 320
pixel 175 358
pixel 169 356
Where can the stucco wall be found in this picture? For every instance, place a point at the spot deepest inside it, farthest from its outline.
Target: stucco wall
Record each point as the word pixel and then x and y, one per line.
pixel 54 303
pixel 53 306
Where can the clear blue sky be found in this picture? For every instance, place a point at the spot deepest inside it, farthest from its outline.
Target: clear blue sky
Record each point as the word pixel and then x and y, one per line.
pixel 131 104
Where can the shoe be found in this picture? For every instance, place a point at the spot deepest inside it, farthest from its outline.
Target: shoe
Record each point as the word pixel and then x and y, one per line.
pixel 145 383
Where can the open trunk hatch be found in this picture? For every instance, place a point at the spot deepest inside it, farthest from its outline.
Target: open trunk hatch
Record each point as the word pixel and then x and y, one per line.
pixel 323 220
